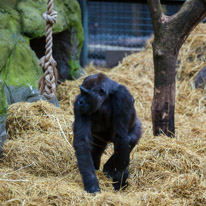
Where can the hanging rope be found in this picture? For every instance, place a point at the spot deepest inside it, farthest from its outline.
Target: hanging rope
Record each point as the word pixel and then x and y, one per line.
pixel 47 83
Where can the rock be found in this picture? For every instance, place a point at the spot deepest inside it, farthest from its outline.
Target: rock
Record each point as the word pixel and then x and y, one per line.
pixel 2 131
pixel 21 66
pixel 33 25
pixel 3 111
pixel 67 28
pixel 3 100
pixel 21 22
pixel 25 94
pixel 200 81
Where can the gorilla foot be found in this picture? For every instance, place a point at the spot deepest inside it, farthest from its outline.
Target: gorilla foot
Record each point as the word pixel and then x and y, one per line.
pixel 119 180
pixel 109 171
pixel 91 185
pixel 92 189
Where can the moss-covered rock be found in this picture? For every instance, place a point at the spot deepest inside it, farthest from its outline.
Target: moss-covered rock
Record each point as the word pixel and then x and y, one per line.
pixel 69 18
pixel 21 67
pixel 18 63
pixel 33 25
pixel 22 21
pixel 3 100
pixel 3 111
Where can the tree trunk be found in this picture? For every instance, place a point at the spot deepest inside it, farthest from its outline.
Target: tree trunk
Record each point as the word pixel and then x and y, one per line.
pixel 163 104
pixel 170 33
pixel 165 53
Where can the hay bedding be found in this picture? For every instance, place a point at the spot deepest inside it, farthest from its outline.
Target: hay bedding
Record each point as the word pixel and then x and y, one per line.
pixel 38 166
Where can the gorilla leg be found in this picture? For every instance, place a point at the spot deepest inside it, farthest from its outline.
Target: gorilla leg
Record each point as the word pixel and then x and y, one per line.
pixel 135 134
pixel 117 165
pixel 122 155
pixel 98 148
pixel 121 162
pixel 109 168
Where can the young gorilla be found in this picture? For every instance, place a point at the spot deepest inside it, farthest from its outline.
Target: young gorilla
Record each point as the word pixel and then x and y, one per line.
pixel 104 112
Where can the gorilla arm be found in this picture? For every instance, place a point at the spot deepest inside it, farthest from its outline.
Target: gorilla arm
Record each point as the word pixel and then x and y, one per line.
pixel 83 145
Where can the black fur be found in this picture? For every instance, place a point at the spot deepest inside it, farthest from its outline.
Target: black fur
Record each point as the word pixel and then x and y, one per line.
pixel 104 112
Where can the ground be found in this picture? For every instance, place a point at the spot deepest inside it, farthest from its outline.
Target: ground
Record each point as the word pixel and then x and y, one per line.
pixel 38 166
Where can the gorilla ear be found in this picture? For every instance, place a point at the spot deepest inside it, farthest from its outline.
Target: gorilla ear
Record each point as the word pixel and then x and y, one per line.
pixel 84 90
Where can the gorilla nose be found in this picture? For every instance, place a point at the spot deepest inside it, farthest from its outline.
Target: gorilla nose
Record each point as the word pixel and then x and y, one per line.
pixel 80 102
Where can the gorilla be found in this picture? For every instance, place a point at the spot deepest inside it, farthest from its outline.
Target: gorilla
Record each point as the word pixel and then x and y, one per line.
pixel 104 112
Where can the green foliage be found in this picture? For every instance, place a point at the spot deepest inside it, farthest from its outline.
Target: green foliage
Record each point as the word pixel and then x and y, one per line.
pixel 74 68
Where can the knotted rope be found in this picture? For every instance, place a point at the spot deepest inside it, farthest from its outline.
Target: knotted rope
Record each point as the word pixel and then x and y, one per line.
pixel 47 83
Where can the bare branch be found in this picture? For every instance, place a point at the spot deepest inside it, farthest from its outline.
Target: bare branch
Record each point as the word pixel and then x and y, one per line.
pixel 156 13
pixel 190 14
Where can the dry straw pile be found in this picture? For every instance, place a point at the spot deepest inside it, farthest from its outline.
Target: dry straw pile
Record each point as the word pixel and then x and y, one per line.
pixel 38 166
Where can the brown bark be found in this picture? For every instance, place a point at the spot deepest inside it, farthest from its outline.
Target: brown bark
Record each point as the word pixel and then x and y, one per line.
pixel 169 34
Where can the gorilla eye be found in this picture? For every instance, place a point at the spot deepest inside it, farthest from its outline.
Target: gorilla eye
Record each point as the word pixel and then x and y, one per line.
pixel 101 92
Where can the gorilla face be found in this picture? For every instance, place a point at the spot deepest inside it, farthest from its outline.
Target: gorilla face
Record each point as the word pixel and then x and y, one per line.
pixel 94 90
pixel 90 100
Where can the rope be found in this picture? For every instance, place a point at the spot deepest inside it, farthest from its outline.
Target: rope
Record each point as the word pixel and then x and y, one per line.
pixel 47 83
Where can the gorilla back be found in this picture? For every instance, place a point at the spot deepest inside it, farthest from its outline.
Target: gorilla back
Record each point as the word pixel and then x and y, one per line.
pixel 104 112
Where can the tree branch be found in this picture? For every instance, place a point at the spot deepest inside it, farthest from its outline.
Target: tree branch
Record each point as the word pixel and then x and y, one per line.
pixel 156 13
pixel 190 14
